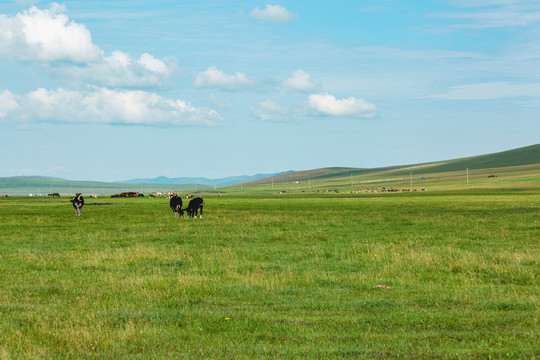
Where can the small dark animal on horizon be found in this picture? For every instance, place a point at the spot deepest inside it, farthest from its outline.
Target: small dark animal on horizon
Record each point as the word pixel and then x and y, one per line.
pixel 176 205
pixel 193 207
pixel 78 203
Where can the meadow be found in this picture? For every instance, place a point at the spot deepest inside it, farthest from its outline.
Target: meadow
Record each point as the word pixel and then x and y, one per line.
pixel 291 276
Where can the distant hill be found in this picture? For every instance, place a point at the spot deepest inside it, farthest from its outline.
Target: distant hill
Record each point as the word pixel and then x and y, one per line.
pixel 43 185
pixel 522 156
pixel 25 185
pixel 231 180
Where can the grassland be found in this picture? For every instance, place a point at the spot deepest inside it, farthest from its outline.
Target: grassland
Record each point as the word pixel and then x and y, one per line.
pixel 285 276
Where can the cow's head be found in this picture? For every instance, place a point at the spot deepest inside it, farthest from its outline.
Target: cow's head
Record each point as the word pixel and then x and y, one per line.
pixel 179 210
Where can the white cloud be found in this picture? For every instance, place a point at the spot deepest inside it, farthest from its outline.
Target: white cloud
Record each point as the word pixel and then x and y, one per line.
pixel 154 65
pixel 104 106
pixel 8 103
pixel 270 111
pixel 327 104
pixel 213 77
pixel 493 14
pixel 487 91
pixel 274 13
pixel 300 80
pixel 46 35
pixel 120 69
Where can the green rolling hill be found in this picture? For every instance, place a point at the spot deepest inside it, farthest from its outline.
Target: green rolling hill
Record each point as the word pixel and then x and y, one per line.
pixel 528 155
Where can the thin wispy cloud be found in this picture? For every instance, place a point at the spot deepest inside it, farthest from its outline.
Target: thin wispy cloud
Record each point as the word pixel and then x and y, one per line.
pixel 102 106
pixel 273 13
pixel 489 91
pixel 271 111
pixel 492 14
pixel 213 77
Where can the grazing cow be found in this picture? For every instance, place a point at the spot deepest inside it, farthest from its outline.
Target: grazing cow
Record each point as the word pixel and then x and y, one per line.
pixel 93 196
pixel 78 203
pixel 176 205
pixel 189 196
pixel 151 196
pixel 194 205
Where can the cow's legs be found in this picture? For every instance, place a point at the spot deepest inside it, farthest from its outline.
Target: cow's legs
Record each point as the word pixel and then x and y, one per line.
pixel 201 213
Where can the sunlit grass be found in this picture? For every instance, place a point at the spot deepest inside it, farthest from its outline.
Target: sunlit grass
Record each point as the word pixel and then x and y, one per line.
pixel 272 277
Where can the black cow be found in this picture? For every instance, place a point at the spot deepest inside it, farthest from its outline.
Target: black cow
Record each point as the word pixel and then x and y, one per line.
pixel 176 205
pixel 78 203
pixel 194 205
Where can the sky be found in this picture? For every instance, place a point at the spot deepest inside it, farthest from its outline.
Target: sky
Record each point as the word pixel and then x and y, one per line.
pixel 115 90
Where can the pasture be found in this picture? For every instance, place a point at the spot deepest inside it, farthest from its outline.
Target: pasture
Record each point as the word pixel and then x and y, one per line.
pixel 269 276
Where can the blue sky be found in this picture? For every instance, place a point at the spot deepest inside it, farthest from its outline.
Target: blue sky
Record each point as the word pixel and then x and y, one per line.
pixel 114 90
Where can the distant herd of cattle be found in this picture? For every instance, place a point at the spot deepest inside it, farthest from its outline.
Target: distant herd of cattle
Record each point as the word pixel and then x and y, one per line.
pixel 175 203
pixel 136 194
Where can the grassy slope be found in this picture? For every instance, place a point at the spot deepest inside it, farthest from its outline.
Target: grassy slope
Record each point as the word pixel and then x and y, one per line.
pixel 524 178
pixel 523 156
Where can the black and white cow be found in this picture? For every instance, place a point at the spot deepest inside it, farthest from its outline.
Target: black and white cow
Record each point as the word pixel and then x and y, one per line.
pixel 194 205
pixel 78 203
pixel 176 205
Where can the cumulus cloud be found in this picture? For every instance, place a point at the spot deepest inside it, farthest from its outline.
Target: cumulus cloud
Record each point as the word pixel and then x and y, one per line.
pixel 327 104
pixel 46 35
pixel 300 80
pixel 270 111
pixel 213 77
pixel 152 64
pixel 8 103
pixel 103 106
pixel 274 13
pixel 120 69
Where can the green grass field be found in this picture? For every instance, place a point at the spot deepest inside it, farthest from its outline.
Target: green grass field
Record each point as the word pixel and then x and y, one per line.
pixel 269 276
